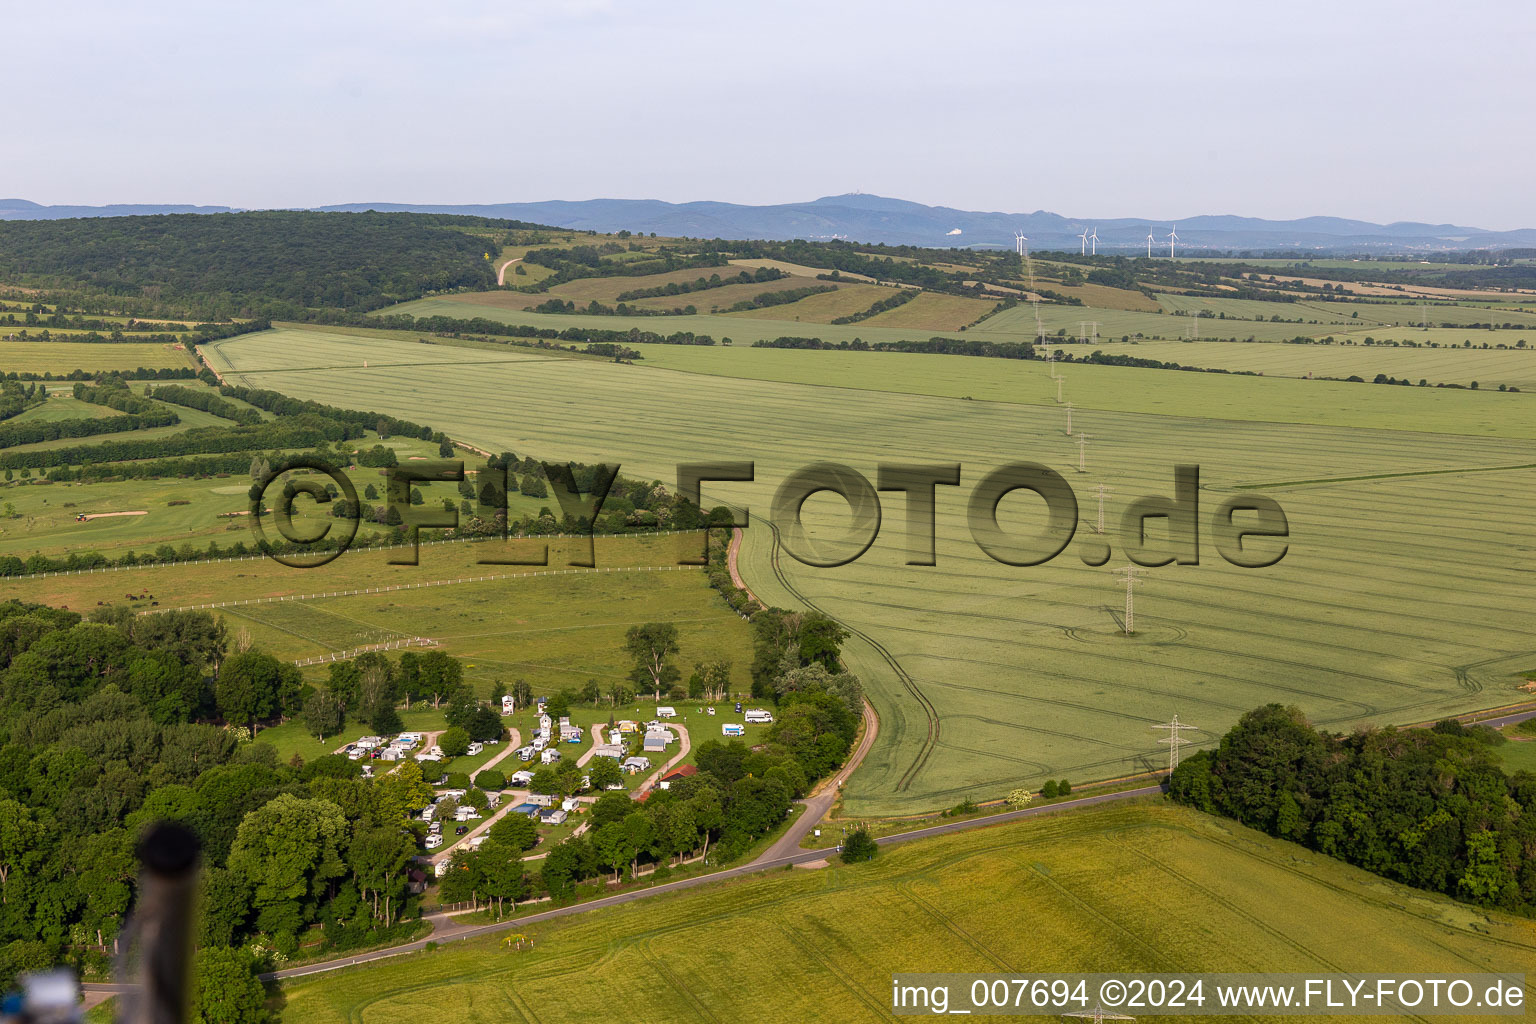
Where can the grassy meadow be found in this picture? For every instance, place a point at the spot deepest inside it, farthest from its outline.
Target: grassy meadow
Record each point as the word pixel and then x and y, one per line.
pixel 552 627
pixel 1398 600
pixel 1141 888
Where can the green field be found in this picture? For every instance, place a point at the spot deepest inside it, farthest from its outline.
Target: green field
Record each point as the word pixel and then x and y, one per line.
pixel 1136 889
pixel 1489 367
pixel 203 510
pixel 60 357
pixel 1398 600
pixel 1062 323
pixel 554 630
pixel 60 406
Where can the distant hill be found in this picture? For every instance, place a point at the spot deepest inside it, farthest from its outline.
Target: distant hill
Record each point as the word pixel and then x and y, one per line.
pixel 868 218
pixel 21 209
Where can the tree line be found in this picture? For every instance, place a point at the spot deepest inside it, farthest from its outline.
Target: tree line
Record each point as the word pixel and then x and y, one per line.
pixel 759 276
pixel 935 346
pixel 900 298
pixel 207 401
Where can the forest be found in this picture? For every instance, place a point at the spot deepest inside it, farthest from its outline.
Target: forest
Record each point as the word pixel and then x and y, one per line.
pixel 1430 808
pixel 272 263
pixel 116 720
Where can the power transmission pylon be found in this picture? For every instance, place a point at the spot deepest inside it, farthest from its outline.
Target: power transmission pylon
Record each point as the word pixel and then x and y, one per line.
pixel 1069 419
pixel 1174 739
pixel 1103 492
pixel 1050 365
pixel 1058 392
pixel 1098 1015
pixel 1082 453
pixel 1131 574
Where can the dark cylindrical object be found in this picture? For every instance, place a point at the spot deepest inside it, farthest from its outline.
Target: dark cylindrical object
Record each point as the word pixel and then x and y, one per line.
pixel 162 925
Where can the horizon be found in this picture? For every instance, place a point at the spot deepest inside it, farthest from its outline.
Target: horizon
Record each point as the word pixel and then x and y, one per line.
pixel 225 207
pixel 307 107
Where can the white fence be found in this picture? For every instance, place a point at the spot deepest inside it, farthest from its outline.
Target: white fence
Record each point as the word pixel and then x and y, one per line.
pixel 392 645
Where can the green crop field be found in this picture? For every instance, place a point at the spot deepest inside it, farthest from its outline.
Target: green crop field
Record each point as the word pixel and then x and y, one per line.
pixel 1489 367
pixel 60 357
pixel 1135 889
pixel 1398 600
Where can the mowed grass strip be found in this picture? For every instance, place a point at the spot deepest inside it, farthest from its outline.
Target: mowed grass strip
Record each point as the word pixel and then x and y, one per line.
pixel 1136 889
pixel 1397 600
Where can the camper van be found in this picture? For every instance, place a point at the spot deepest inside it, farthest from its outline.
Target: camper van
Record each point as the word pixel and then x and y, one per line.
pixel 733 729
pixel 757 716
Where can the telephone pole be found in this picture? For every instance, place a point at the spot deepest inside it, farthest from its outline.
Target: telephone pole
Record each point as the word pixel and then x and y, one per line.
pixel 1082 453
pixel 1174 739
pixel 1131 574
pixel 1103 492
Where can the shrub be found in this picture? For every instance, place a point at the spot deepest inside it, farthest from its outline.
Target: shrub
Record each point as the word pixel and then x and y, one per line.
pixel 859 846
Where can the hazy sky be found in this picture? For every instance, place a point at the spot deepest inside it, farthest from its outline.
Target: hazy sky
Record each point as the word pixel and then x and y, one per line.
pixel 1384 111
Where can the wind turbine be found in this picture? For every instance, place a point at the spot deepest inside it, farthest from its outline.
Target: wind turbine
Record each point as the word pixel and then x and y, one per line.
pixel 1094 238
pixel 1149 241
pixel 1173 236
pixel 1020 243
pixel 1084 237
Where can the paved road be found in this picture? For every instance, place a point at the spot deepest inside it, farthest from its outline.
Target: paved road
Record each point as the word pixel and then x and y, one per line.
pixel 513 741
pixel 730 561
pixel 597 740
pixel 762 864
pixel 820 801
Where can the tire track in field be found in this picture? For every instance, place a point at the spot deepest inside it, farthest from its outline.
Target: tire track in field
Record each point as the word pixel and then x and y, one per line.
pixel 1252 920
pixel 931 740
pixel 801 942
pixel 677 984
pixel 907 890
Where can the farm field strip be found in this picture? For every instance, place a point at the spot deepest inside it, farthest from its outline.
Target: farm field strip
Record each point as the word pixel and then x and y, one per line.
pixel 1010 325
pixel 1134 889
pixel 60 357
pixel 1397 601
pixel 1123 389
pixel 1489 367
